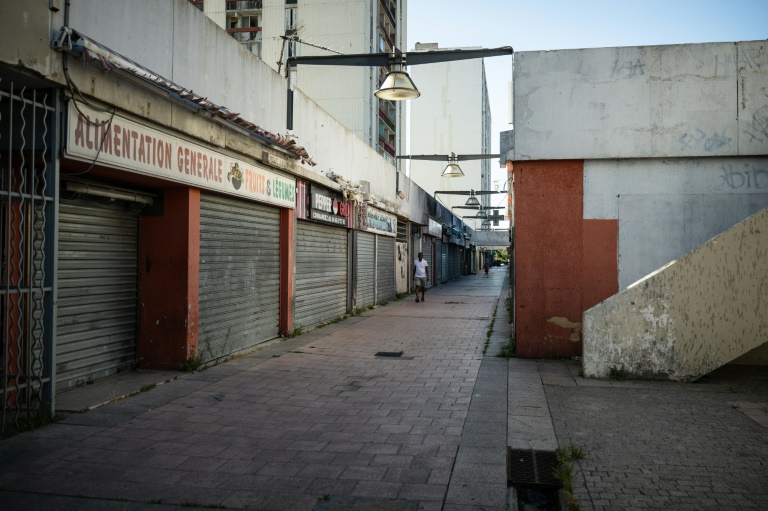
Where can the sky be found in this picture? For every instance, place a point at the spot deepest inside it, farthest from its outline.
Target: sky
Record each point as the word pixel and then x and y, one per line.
pixel 533 25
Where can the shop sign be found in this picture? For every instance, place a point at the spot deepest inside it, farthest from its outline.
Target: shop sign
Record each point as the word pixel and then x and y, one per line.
pixel 325 207
pixel 128 145
pixel 435 228
pixel 380 222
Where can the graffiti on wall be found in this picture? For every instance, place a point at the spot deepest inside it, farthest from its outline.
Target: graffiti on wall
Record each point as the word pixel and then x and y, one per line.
pixel 757 129
pixel 702 140
pixel 628 68
pixel 748 177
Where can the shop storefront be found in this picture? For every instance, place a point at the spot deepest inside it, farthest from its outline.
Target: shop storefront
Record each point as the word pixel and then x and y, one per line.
pixel 375 255
pixel 168 249
pixel 321 255
pixel 431 233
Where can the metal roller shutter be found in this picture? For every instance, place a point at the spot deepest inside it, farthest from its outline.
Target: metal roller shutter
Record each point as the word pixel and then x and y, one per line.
pixel 385 268
pixel 239 275
pixel 321 273
pixel 97 290
pixel 442 275
pixel 366 252
pixel 451 262
pixel 427 250
pixel 459 261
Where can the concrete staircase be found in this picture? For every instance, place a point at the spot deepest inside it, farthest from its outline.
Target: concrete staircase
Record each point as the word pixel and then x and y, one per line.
pixel 693 315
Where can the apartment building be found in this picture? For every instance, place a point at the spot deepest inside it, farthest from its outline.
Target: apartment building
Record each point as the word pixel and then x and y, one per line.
pixel 451 116
pixel 277 29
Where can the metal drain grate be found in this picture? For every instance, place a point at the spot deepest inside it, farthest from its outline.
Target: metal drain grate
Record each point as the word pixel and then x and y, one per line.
pixel 531 468
pixel 389 354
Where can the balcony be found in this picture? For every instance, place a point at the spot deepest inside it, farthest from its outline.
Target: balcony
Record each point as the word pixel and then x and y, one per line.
pixel 389 8
pixel 386 147
pixel 244 5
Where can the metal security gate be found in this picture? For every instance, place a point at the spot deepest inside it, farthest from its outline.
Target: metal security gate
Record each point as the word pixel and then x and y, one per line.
pixel 427 248
pixel 451 262
pixel 366 275
pixel 321 274
pixel 239 275
pixel 440 254
pixel 385 268
pixel 98 282
pixel 27 235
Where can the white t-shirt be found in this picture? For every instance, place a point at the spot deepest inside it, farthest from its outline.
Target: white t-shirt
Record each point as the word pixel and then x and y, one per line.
pixel 421 268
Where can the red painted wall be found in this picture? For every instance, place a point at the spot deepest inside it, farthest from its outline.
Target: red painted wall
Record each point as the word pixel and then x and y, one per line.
pixel 287 261
pixel 600 259
pixel 169 267
pixel 548 257
pixel 563 263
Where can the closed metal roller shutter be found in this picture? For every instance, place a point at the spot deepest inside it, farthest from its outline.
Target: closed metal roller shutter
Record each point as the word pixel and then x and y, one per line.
pixel 427 250
pixel 451 262
pixel 459 262
pixel 239 275
pixel 366 261
pixel 97 290
pixel 442 276
pixel 321 273
pixel 385 268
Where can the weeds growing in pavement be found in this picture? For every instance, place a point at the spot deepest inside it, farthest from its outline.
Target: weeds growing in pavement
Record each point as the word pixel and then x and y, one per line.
pixel 617 373
pixel 194 360
pixel 508 302
pixel 489 333
pixel 566 456
pixel 509 349
pixel 296 332
pixel 38 419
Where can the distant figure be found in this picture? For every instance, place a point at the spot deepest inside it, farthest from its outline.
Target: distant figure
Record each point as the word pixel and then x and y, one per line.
pixel 420 275
pixel 487 266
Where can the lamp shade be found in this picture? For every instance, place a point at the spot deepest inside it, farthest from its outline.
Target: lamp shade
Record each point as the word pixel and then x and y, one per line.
pixel 472 201
pixel 397 86
pixel 453 169
pixel 481 214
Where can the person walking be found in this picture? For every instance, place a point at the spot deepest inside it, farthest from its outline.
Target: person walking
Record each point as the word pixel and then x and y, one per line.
pixel 487 266
pixel 420 275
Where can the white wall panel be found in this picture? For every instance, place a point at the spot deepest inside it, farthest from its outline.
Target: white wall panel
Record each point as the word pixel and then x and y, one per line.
pixel 634 102
pixel 665 208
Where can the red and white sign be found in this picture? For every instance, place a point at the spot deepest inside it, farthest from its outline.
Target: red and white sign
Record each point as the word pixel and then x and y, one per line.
pixel 128 145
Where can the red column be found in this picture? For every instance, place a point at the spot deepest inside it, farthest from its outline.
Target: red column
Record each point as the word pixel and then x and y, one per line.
pixel 169 267
pixel 548 215
pixel 287 261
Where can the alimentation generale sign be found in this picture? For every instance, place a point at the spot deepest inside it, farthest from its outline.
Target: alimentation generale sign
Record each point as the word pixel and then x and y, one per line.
pixel 116 141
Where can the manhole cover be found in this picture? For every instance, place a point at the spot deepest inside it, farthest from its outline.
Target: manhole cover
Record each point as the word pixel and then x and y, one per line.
pixel 531 468
pixel 389 354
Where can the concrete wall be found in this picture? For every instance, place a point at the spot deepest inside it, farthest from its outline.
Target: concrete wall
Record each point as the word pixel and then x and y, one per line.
pixel 702 311
pixel 642 102
pixel 673 142
pixel 667 207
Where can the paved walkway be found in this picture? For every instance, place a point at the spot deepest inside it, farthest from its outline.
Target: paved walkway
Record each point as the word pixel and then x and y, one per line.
pixel 319 422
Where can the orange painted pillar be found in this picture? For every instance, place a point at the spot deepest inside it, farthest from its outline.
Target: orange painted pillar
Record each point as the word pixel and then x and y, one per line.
pixel 169 269
pixel 548 216
pixel 287 262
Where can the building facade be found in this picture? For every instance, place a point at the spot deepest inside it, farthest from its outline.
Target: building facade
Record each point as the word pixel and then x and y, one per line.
pixel 277 29
pixel 147 225
pixel 623 160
